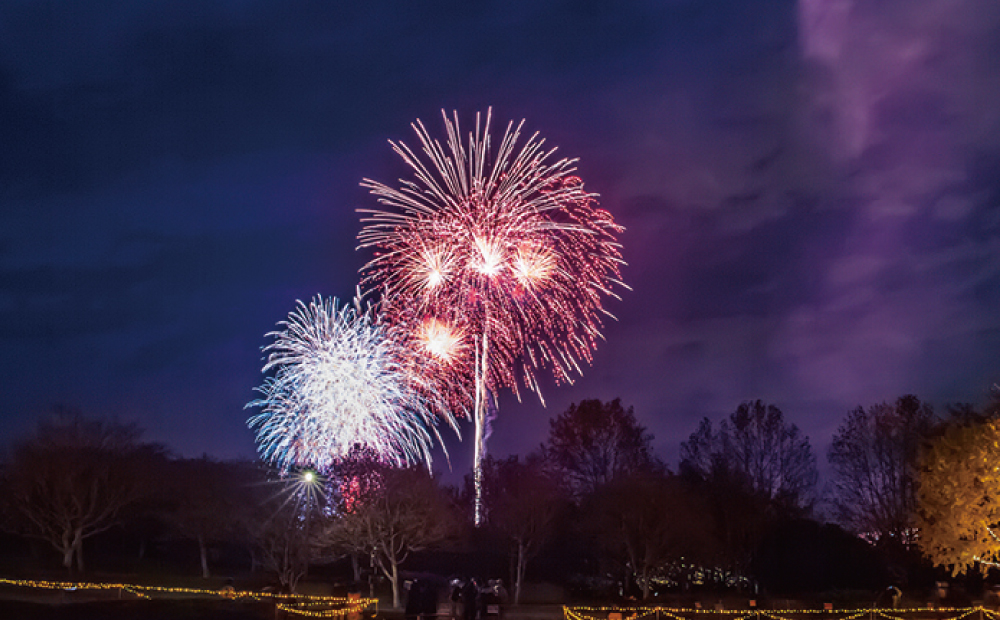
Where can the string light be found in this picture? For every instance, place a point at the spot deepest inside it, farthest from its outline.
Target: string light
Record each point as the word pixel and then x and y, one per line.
pixel 345 605
pixel 639 613
pixel 352 605
pixel 317 613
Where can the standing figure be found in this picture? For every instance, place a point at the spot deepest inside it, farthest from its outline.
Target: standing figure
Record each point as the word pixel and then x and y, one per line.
pixel 493 598
pixel 456 599
pixel 428 607
pixel 470 600
pixel 413 600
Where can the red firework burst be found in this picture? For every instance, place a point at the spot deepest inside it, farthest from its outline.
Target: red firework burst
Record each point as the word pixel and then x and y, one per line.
pixel 502 254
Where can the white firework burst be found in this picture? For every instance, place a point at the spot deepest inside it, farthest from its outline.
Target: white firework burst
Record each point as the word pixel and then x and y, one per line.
pixel 340 381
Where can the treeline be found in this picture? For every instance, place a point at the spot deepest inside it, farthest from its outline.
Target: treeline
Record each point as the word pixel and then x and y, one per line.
pixel 593 509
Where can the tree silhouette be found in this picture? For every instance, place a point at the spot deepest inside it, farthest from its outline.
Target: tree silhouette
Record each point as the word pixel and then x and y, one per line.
pixel 524 502
pixel 757 446
pixel 651 524
pixel 406 512
pixel 281 518
pixel 74 477
pixel 874 461
pixel 751 470
pixel 206 495
pixel 593 443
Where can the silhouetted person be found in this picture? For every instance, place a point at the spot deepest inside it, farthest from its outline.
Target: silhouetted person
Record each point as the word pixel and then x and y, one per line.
pixel 470 600
pixel 493 596
pixel 428 601
pixel 413 600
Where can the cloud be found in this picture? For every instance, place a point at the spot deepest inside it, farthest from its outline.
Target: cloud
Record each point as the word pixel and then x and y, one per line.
pixel 809 188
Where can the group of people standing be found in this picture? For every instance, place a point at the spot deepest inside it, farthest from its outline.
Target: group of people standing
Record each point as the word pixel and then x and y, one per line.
pixel 478 602
pixel 470 600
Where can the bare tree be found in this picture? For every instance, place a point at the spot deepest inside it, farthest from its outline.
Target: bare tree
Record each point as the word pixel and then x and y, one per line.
pixel 206 494
pixel 282 519
pixel 75 476
pixel 285 546
pixel 751 470
pixel 757 446
pixel 352 480
pixel 874 461
pixel 593 443
pixel 651 524
pixel 405 512
pixel 738 516
pixel 524 502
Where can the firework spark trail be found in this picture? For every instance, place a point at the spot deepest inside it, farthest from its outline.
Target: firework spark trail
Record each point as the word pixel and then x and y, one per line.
pixel 341 380
pixel 510 243
pixel 506 248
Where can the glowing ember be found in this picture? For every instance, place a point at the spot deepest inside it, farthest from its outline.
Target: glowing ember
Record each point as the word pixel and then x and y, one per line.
pixel 529 258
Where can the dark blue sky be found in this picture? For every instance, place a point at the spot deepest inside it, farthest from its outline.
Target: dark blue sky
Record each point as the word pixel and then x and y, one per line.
pixel 811 191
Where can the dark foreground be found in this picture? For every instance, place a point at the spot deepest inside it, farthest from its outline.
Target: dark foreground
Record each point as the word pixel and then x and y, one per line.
pixel 139 610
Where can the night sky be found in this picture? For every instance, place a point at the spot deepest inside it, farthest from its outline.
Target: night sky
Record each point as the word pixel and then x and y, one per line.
pixel 811 192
